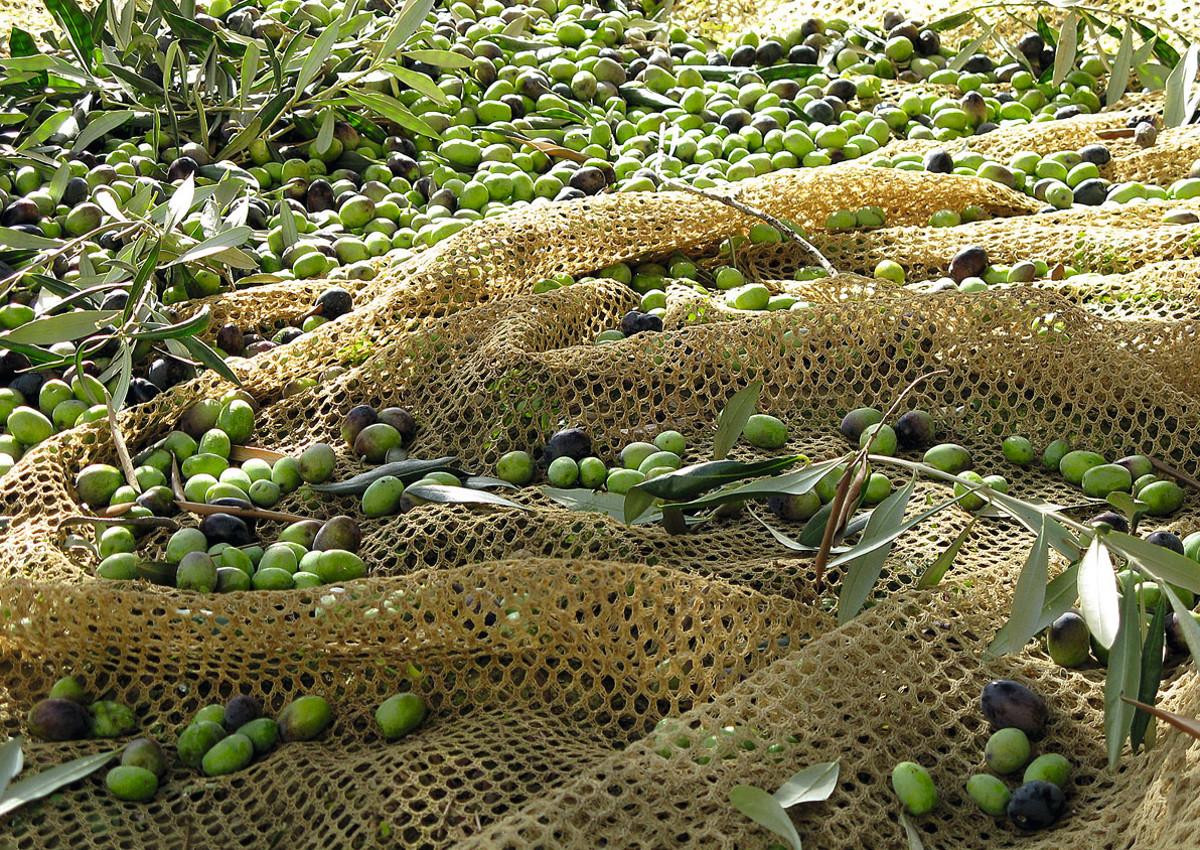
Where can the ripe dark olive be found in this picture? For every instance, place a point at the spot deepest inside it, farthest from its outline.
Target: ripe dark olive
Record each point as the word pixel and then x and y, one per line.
pixel 241 710
pixel 28 384
pixel 319 196
pixel 743 56
pixel 226 528
pixel 588 180
pixel 1036 805
pixel 296 189
pixel 569 194
pixel 979 63
pixel 141 390
pixel 286 335
pixel 359 417
pixel 159 500
pixel 841 88
pixel 569 442
pixel 444 198
pixel 402 421
pixel 1166 539
pixel 938 161
pixel 768 52
pixel 1007 704
pixel 75 192
pixel 333 302
pixel 635 322
pixel 182 168
pixel 115 300
pixel 802 54
pixel 735 119
pixel 402 165
pixel 166 372
pixel 1113 519
pixel 231 339
pixel 21 211
pixel 1091 192
pixel 915 430
pixel 11 362
pixel 969 262
pixel 1032 45
pixel 346 134
pixel 1095 154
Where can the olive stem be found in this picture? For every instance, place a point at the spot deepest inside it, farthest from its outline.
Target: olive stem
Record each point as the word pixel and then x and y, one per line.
pixel 1175 473
pixel 252 513
pixel 743 207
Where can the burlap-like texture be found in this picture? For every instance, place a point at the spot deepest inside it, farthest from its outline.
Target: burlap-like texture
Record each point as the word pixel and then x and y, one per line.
pixel 551 644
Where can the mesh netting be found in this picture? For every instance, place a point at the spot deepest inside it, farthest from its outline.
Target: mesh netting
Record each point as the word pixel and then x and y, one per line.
pixel 550 644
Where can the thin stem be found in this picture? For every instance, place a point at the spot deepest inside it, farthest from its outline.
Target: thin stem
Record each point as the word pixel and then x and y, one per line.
pixel 778 224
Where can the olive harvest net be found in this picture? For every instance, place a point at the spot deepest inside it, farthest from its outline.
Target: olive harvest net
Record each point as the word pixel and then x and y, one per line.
pixel 593 684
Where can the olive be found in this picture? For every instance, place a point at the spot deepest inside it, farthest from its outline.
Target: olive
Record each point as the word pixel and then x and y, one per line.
pixel 635 322
pixel 938 161
pixel 841 88
pixel 319 196
pixel 181 168
pixel 969 262
pixel 141 390
pixel 768 52
pixel 743 56
pixel 166 372
pixel 21 211
pixel 230 339
pixel 1166 539
pixel 1112 519
pixel 402 165
pixel 588 180
pixel 226 528
pixel 802 54
pixel 402 421
pixel 75 192
pixel 332 303
pixel 569 442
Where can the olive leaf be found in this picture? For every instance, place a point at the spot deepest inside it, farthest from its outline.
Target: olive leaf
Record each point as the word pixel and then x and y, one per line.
pixel 612 504
pixel 407 471
pixel 1158 561
pixel 765 810
pixel 1123 678
pixel 1179 721
pixel 733 419
pixel 1061 593
pixel 446 494
pixel 690 481
pixel 12 759
pixel 910 833
pixel 791 483
pixel 936 571
pixel 811 785
pixel 1152 665
pixel 49 781
pixel 1099 600
pixel 1179 86
pixel 1118 79
pixel 864 562
pixel 1030 594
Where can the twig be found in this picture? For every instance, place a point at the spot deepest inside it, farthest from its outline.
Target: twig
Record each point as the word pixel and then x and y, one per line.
pixel 122 450
pixel 146 522
pixel 252 513
pixel 851 483
pixel 778 224
pixel 1175 473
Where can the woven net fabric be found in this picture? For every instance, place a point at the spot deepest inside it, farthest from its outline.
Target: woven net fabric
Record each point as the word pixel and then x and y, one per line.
pixel 593 684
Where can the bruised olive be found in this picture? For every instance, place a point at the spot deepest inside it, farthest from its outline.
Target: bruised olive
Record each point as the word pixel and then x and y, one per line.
pixel 159 500
pixel 1036 805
